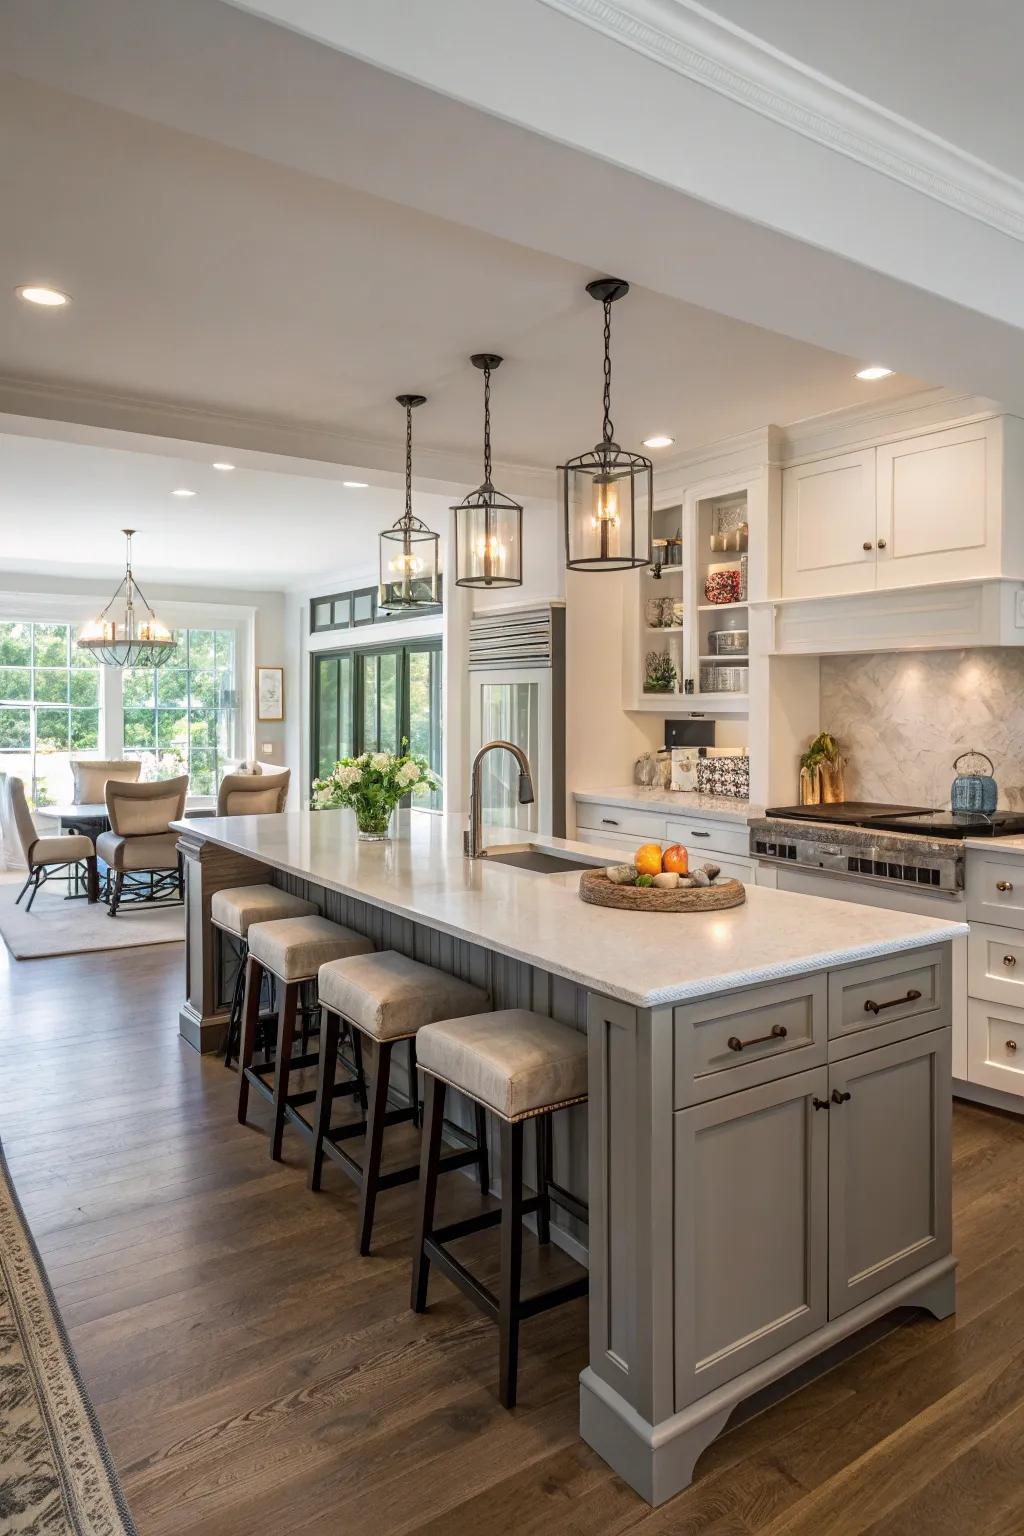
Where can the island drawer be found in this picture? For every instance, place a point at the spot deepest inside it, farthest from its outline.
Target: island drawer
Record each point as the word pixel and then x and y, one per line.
pixel 995 888
pixel 649 825
pixel 878 1002
pixel 710 837
pixel 740 1039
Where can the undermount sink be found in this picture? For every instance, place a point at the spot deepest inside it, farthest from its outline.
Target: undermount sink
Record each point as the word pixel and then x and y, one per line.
pixel 539 860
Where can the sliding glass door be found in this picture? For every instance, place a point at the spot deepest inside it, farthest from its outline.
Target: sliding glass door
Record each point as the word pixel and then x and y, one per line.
pixel 370 700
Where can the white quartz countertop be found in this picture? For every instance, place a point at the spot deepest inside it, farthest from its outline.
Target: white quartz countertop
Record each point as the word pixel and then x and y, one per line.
pixel 643 958
pixel 677 802
pixel 995 844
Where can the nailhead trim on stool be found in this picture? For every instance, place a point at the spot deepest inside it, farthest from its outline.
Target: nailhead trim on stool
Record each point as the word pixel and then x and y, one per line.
pixel 388 997
pixel 507 1061
pixel 291 949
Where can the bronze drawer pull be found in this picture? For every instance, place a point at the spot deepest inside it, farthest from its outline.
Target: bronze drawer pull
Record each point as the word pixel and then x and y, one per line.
pixel 694 833
pixel 840 1098
pixel 736 1044
pixel 1004 885
pixel 607 821
pixel 911 997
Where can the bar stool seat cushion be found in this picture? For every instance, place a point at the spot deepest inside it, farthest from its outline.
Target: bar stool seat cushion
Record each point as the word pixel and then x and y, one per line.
pixel 153 850
pixel 516 1062
pixel 62 850
pixel 390 997
pixel 294 948
pixel 239 906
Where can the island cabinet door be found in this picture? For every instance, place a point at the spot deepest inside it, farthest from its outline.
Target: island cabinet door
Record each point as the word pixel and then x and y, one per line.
pixel 889 1166
pixel 751 1228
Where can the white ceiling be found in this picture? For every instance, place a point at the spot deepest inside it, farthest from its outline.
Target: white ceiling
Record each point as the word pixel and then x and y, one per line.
pixel 952 68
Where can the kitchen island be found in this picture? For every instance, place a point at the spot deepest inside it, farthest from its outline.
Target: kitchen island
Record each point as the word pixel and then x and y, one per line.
pixel 766 1147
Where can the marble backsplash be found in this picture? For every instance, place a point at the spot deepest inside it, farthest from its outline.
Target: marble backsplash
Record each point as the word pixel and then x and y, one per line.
pixel 902 717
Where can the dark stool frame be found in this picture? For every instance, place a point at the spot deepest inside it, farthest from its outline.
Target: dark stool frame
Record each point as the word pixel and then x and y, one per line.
pixel 508 1309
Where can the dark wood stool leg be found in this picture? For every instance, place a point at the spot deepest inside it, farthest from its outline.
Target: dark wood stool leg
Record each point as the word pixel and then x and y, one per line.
pixel 250 1024
pixel 330 1026
pixel 430 1152
pixel 511 1259
pixel 304 1005
pixel 543 1178
pixel 283 1062
pixel 484 1165
pixel 374 1145
pixel 414 1085
pixel 231 1044
pixel 357 1057
pixel 92 880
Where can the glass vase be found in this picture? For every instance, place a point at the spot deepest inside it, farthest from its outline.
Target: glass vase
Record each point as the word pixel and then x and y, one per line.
pixel 373 826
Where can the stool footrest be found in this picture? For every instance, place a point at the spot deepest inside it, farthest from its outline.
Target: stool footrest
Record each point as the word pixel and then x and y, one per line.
pixel 480 1223
pixel 459 1275
pixel 568 1202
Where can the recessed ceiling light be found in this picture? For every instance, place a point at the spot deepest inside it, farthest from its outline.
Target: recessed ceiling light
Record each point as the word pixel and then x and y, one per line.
pixel 876 371
pixel 182 490
pixel 659 440
pixel 38 293
pixel 356 485
pixel 219 464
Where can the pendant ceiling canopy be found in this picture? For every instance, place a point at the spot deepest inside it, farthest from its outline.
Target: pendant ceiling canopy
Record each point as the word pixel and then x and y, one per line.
pixel 128 633
pixel 607 493
pixel 409 549
pixel 488 524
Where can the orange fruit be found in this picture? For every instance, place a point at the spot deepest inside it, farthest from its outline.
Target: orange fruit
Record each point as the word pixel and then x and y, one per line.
pixel 648 859
pixel 676 860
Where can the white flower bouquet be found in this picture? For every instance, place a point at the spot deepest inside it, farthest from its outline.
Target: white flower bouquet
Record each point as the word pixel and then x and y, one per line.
pixel 372 785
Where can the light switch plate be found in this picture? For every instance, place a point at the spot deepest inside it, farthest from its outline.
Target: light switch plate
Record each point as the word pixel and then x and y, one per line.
pixel 268 746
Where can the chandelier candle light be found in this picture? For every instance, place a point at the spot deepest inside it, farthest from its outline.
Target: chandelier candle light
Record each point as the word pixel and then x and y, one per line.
pixel 123 637
pixel 408 550
pixel 488 524
pixel 607 493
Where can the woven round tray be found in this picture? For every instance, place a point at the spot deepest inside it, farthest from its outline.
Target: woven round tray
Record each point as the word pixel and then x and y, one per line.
pixel 596 888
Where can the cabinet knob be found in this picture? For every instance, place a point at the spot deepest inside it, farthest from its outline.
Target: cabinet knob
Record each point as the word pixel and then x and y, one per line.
pixel 881 543
pixel 839 1098
pixel 868 544
pixel 820 1103
pixel 1011 1045
pixel 1010 960
pixel 1004 885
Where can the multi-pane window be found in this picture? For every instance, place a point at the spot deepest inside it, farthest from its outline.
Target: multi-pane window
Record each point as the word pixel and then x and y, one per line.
pixel 182 717
pixel 49 707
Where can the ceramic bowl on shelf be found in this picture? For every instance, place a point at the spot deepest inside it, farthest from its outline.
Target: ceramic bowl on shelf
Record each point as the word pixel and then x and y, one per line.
pixel 729 642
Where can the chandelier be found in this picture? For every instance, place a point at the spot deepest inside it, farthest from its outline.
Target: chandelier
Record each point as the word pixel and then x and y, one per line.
pixel 122 635
pixel 607 493
pixel 488 524
pixel 408 550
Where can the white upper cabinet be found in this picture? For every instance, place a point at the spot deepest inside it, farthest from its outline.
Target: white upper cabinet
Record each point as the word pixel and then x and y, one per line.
pixel 828 525
pixel 939 506
pixel 931 508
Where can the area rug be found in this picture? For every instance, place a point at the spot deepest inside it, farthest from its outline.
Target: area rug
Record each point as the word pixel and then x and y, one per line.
pixel 56 1476
pixel 59 927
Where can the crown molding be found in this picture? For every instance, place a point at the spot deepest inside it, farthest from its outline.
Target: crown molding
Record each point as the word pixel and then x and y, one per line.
pixel 308 446
pixel 691 40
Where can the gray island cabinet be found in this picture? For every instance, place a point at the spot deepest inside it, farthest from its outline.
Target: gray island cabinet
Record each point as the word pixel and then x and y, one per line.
pixel 766 1148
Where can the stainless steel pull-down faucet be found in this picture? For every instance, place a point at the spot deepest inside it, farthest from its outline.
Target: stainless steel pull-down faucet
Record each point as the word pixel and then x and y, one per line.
pixel 472 839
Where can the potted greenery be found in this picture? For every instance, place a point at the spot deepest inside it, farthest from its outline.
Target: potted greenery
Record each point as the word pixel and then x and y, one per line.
pixel 372 785
pixel 659 673
pixel 821 772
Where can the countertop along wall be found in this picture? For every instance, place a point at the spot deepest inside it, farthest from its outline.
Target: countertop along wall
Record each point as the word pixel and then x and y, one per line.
pixel 902 718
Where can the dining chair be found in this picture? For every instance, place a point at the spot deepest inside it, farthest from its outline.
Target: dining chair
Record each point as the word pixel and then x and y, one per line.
pixel 140 850
pixel 46 856
pixel 91 774
pixel 253 794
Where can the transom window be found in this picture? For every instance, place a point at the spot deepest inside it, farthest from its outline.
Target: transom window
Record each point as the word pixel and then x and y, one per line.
pixel 183 717
pixel 49 707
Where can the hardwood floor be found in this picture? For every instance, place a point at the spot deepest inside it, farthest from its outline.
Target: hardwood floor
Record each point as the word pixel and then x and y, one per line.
pixel 253 1375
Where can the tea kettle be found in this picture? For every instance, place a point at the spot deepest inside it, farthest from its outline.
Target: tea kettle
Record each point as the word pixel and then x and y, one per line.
pixel 972 790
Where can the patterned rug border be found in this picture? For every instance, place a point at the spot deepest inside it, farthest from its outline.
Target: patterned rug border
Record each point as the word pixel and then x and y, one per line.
pixel 60 1336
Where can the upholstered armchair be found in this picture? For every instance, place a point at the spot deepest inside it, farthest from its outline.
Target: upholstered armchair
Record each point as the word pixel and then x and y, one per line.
pixel 140 849
pixel 46 856
pixel 253 794
pixel 91 775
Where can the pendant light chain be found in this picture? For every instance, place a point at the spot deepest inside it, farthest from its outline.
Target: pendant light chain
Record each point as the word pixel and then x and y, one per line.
pixel 408 462
pixel 487 426
pixel 609 430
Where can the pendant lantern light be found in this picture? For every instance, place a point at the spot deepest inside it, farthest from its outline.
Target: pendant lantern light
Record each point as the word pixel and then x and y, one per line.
pixel 409 549
pixel 607 493
pixel 488 524
pixel 122 636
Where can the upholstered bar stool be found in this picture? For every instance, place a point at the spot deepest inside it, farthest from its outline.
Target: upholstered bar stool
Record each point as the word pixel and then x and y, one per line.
pixel 521 1066
pixel 388 998
pixel 292 950
pixel 232 912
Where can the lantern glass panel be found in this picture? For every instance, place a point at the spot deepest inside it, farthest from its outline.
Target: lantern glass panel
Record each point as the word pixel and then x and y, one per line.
pixel 408 567
pixel 489 545
pixel 608 514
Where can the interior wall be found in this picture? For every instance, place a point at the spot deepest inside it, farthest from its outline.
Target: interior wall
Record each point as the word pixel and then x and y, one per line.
pixel 902 717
